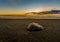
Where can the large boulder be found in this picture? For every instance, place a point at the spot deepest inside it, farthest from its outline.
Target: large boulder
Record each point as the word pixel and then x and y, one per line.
pixel 34 27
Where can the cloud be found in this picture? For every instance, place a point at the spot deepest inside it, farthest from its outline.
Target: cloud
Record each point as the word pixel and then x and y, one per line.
pixel 47 8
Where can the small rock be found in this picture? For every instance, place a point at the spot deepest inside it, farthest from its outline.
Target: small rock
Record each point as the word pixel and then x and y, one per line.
pixel 34 27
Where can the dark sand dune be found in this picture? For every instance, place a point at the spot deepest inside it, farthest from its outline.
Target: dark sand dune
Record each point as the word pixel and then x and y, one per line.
pixel 14 30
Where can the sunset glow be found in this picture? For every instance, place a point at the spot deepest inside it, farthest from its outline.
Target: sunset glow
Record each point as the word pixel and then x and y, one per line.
pixel 20 7
pixel 12 13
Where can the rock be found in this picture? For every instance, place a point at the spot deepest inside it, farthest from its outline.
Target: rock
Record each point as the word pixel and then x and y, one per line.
pixel 34 27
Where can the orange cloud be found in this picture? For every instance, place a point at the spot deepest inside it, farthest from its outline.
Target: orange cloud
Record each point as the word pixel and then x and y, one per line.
pixel 46 9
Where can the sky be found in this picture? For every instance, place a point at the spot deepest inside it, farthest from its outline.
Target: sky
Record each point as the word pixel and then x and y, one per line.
pixel 17 6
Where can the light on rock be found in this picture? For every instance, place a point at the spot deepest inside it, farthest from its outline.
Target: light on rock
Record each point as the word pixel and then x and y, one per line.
pixel 34 27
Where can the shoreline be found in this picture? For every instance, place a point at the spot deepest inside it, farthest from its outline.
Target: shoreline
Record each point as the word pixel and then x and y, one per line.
pixel 30 17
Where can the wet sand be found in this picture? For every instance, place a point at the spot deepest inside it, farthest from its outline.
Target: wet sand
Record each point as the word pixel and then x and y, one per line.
pixel 14 30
